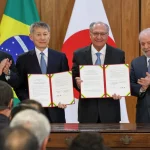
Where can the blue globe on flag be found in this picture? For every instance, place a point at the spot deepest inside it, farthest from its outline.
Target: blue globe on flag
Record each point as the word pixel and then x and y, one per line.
pixel 17 45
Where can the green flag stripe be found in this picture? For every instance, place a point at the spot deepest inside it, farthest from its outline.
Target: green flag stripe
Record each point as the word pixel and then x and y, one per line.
pixel 25 14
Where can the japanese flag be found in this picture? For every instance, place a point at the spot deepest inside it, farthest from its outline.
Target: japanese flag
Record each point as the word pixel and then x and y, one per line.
pixel 77 36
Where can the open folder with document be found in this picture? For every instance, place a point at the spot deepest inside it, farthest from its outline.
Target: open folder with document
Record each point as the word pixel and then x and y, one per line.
pixel 51 89
pixel 104 81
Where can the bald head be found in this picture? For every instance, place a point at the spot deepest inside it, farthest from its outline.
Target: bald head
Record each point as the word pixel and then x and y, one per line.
pixel 18 138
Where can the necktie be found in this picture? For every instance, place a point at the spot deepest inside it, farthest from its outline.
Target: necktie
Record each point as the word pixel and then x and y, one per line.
pixel 149 66
pixel 43 64
pixel 98 61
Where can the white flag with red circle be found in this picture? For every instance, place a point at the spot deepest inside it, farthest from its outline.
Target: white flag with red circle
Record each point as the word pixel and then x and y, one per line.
pixel 77 36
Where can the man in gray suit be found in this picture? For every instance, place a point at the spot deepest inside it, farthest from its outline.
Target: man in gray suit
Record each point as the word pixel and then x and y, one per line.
pixel 140 79
pixel 97 110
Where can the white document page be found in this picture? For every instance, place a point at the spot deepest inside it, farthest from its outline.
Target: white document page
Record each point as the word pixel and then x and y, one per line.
pixel 62 88
pixel 117 80
pixel 93 81
pixel 39 88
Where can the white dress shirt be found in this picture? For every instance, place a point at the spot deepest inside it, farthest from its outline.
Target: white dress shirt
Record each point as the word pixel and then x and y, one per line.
pixel 39 55
pixel 102 56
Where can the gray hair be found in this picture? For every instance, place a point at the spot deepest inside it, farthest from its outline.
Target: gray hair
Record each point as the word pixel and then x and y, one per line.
pixel 145 31
pixel 36 122
pixel 99 22
pixel 39 25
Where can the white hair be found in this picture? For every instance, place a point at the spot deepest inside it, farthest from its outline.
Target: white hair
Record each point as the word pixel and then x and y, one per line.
pixel 36 122
pixel 145 31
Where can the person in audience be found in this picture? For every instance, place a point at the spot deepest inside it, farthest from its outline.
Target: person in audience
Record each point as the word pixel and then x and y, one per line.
pixel 97 110
pixel 36 122
pixel 8 72
pixel 18 138
pixel 140 80
pixel 87 141
pixel 27 104
pixel 35 104
pixel 6 101
pixel 41 60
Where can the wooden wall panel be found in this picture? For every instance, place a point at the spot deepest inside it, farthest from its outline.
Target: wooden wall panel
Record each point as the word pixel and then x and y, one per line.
pixel 57 15
pixel 145 14
pixel 130 44
pixel 2 6
pixel 123 17
pixel 112 8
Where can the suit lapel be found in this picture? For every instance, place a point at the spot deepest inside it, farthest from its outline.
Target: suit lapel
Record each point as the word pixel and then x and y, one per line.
pixel 88 56
pixel 35 62
pixel 50 60
pixel 143 65
pixel 108 56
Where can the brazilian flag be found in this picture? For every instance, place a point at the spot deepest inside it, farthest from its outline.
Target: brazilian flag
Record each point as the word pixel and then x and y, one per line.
pixel 14 27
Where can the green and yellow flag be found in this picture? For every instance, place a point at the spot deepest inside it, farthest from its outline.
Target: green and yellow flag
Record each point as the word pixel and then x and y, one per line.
pixel 14 27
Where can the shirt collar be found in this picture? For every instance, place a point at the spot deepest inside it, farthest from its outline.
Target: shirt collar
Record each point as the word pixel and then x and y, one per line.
pixel 102 51
pixel 45 51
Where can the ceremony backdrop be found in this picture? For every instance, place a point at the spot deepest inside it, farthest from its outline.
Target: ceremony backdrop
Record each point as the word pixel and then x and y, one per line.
pixel 126 18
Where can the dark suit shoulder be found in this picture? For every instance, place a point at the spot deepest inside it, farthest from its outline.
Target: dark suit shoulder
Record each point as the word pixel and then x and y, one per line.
pixel 138 59
pixel 83 49
pixel 5 55
pixel 114 49
pixel 55 52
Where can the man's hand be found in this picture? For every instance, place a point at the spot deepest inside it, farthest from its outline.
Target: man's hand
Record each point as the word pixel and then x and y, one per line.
pixel 3 64
pixel 78 81
pixel 7 66
pixel 62 105
pixel 145 82
pixel 116 97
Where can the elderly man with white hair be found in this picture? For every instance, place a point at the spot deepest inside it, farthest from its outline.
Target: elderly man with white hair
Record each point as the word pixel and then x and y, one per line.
pixel 140 78
pixel 36 122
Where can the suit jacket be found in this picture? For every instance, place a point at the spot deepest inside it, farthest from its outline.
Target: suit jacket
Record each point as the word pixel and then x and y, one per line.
pixel 28 63
pixel 13 81
pixel 138 70
pixel 4 121
pixel 106 108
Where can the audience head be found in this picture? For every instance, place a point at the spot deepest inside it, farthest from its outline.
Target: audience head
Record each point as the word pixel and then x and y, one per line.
pixel 36 122
pixel 40 35
pixel 144 38
pixel 87 141
pixel 34 104
pixel 18 138
pixel 6 96
pixel 27 104
pixel 99 32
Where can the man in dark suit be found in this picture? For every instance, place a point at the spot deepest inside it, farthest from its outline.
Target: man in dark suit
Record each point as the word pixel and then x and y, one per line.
pixel 140 80
pixel 30 63
pixel 8 72
pixel 96 110
pixel 6 98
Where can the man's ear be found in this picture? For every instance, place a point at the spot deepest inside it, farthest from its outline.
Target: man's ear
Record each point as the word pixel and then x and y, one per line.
pixel 10 105
pixel 30 36
pixel 43 147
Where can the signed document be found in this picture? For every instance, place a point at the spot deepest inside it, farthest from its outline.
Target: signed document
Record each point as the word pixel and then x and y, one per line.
pixel 104 81
pixel 51 89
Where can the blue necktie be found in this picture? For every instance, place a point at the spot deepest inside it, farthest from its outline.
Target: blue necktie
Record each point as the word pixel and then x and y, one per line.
pixel 43 64
pixel 149 66
pixel 98 61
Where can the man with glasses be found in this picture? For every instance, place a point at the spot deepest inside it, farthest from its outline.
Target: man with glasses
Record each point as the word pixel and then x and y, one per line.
pixel 97 110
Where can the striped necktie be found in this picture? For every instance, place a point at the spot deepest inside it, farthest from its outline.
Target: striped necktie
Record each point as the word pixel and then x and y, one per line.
pixel 98 61
pixel 43 64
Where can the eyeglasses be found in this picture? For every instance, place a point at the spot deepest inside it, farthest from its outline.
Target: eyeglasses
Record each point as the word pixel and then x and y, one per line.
pixel 102 34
